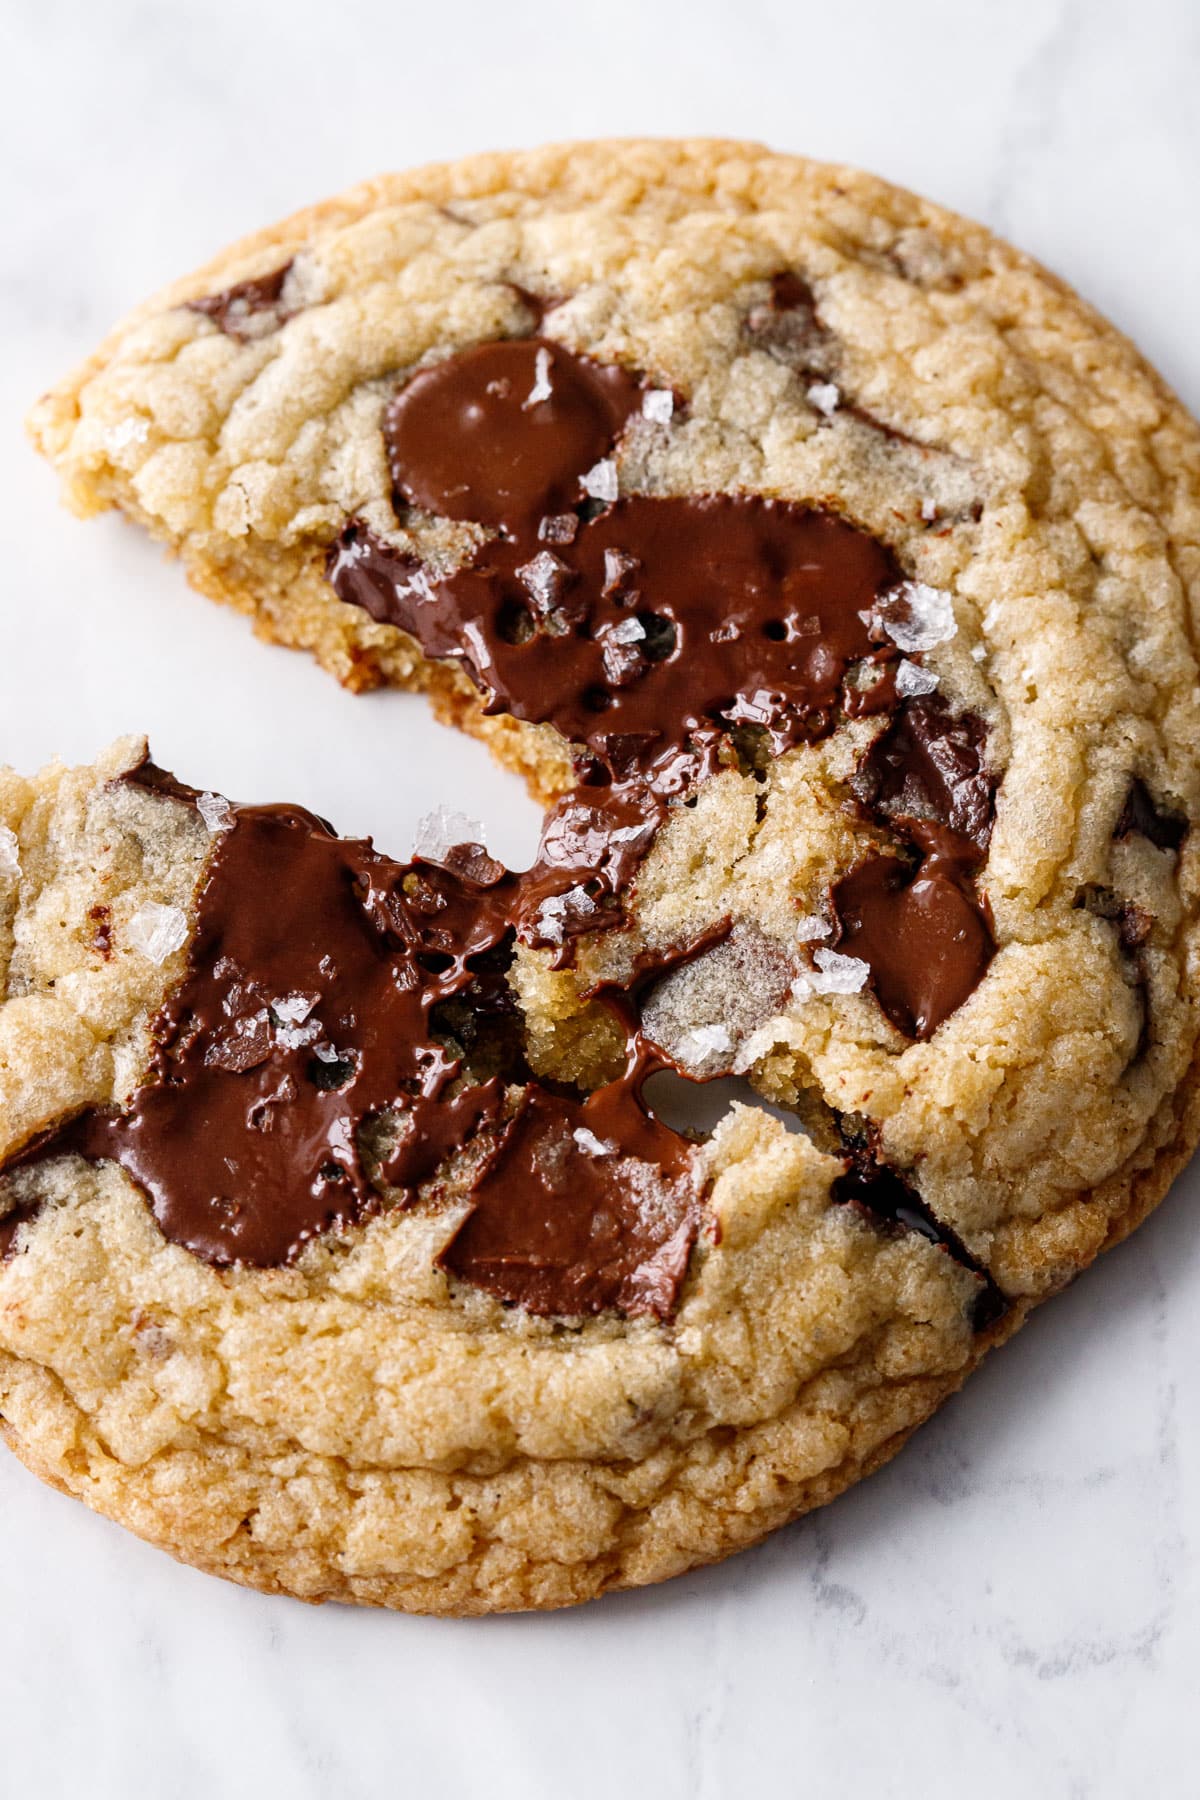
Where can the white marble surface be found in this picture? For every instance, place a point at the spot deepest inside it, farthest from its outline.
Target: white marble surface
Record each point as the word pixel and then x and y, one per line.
pixel 1014 1605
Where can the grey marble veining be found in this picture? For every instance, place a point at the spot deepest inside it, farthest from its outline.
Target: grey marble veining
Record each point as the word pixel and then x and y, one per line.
pixel 1013 1605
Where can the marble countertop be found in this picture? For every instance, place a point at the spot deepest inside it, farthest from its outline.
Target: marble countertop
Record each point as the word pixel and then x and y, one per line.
pixel 1013 1605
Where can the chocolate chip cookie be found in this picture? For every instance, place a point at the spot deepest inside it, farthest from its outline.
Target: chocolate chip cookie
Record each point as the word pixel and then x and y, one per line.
pixel 828 570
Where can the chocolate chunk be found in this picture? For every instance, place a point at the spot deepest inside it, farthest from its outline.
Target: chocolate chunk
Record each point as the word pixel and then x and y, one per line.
pixel 930 765
pixel 1134 924
pixel 758 617
pixel 585 1206
pixel 147 774
pixel 922 930
pixel 923 934
pixel 789 327
pixel 471 862
pixel 754 604
pixel 791 293
pixel 467 438
pixel 101 939
pixel 540 306
pixel 246 309
pixel 304 943
pixel 882 1193
pixel 10 1224
pixel 1141 813
pixel 653 629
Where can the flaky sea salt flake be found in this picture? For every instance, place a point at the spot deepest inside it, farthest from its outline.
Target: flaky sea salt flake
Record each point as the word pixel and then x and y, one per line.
pixel 618 566
pixel 418 585
pixel 442 830
pixel 293 1009
pixel 295 1037
pixel 811 927
pixel 912 679
pixel 558 528
pixel 838 974
pixel 703 1041
pixel 825 397
pixel 157 930
pixel 916 616
pixel 627 631
pixel 600 481
pixel 590 1144
pixel 759 1044
pixel 658 404
pixel 541 389
pixel 553 914
pixel 542 578
pixel 216 812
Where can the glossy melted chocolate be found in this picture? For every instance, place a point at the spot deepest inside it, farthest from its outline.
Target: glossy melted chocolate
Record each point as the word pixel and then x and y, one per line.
pixel 314 1021
pixel 918 924
pixel 644 631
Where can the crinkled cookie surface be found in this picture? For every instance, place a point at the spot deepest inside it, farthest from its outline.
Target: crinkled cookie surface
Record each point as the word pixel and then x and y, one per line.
pixel 363 1421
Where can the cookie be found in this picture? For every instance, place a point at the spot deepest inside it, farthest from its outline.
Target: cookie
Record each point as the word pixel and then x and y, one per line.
pixel 828 570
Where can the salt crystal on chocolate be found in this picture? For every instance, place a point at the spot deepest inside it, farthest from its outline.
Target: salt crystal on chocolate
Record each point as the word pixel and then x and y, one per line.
pixel 157 930
pixel 541 389
pixel 10 861
pixel 658 404
pixel 916 616
pixel 558 528
pixel 618 564
pixel 627 631
pixel 812 926
pixel 294 1037
pixel 554 913
pixel 590 1144
pixel 600 481
pixel 442 830
pixel 216 812
pixel 419 585
pixel 912 679
pixel 542 578
pixel 293 1009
